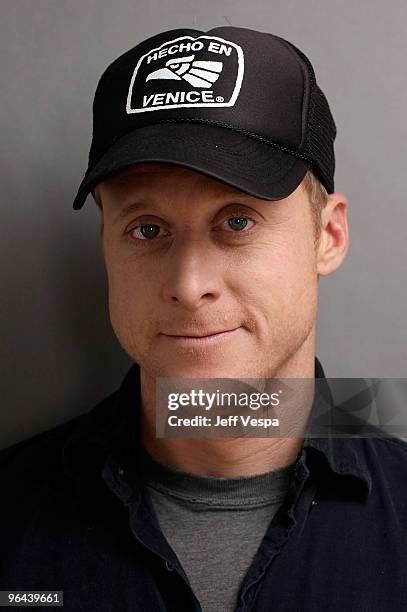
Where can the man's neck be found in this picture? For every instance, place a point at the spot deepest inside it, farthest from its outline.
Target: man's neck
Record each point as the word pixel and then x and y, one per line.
pixel 225 457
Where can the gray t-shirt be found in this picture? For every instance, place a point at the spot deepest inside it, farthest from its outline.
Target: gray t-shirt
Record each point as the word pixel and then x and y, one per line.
pixel 214 525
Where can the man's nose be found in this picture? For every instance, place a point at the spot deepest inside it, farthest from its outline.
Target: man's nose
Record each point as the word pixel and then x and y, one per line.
pixel 192 273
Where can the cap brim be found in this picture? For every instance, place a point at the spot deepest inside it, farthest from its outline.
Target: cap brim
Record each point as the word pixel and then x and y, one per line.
pixel 237 159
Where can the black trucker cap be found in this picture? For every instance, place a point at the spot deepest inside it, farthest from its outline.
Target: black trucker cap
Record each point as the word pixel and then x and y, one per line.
pixel 238 105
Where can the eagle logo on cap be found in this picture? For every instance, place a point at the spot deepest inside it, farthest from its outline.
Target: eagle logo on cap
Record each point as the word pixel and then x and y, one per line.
pixel 196 73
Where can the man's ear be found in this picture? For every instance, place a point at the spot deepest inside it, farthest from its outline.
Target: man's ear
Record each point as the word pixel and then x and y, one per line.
pixel 96 197
pixel 334 238
pixel 102 242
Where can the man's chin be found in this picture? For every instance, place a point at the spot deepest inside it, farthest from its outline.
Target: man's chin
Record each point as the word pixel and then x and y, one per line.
pixel 222 367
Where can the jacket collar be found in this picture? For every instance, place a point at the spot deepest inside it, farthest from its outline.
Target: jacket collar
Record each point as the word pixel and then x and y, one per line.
pixel 344 456
pixel 113 425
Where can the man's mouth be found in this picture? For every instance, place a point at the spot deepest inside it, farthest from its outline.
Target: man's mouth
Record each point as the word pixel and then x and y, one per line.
pixel 204 335
pixel 209 337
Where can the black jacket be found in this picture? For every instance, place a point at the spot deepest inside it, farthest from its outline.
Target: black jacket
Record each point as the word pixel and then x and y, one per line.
pixel 74 516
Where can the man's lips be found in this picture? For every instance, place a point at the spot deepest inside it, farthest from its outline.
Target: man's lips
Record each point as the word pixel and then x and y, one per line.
pixel 205 335
pixel 209 338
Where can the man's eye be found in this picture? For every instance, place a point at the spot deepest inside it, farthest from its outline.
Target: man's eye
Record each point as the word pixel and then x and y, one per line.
pixel 146 231
pixel 237 224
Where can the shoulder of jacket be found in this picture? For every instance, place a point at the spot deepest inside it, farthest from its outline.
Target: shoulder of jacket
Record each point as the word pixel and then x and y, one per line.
pixel 396 446
pixel 386 457
pixel 393 444
pixel 38 445
pixel 41 448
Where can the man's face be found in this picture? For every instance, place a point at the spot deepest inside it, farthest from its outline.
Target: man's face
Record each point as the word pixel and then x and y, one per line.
pixel 198 257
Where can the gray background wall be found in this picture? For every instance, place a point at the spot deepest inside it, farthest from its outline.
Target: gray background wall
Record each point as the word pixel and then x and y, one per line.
pixel 59 355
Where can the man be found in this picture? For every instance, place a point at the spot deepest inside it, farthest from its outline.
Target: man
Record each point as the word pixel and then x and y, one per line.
pixel 212 163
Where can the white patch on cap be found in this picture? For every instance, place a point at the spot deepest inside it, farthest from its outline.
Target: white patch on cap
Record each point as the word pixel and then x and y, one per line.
pixel 187 72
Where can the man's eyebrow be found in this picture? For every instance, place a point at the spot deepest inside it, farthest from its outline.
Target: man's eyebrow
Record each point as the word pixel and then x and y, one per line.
pixel 128 209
